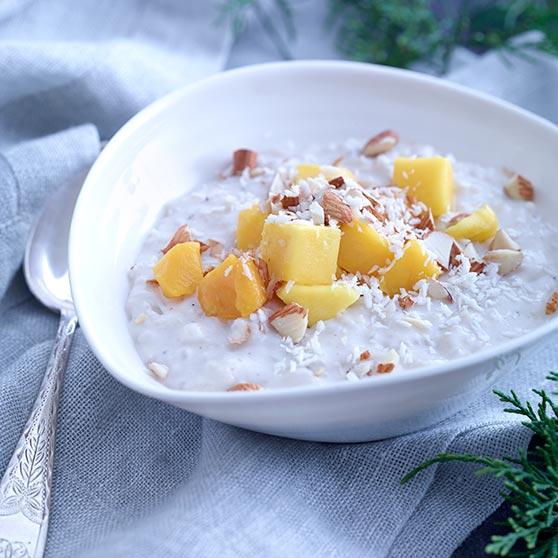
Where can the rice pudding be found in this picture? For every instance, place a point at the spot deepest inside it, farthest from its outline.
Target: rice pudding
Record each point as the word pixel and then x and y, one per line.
pixel 335 263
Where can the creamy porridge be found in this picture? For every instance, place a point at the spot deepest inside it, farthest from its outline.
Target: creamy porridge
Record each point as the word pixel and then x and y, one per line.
pixel 320 264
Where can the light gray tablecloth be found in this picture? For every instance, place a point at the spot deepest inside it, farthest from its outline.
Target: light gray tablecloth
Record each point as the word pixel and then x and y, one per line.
pixel 135 477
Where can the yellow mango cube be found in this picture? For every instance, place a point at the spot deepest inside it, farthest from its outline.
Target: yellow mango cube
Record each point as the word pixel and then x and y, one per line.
pixel 249 227
pixel 179 271
pixel 362 247
pixel 429 179
pixel 323 302
pixel 413 265
pixel 300 252
pixel 232 290
pixel 312 170
pixel 480 226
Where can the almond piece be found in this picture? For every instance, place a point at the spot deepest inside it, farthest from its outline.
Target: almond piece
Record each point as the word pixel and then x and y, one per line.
pixel 507 260
pixel 437 291
pixel 405 302
pixel 289 201
pixel 181 235
pixel 262 270
pixel 335 208
pixel 290 321
pixel 337 182
pixel 337 161
pixel 242 159
pixel 365 355
pixel 552 304
pixel 503 241
pixel 152 283
pixel 443 248
pixel 519 188
pixel 380 143
pixel 477 267
pixel 426 222
pixel 247 386
pixel 215 248
pixel 456 218
pixel 240 332
pixel 469 251
pixel 160 371
pixel 385 367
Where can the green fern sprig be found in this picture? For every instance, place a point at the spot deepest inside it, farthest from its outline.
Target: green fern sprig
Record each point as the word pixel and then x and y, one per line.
pixel 530 480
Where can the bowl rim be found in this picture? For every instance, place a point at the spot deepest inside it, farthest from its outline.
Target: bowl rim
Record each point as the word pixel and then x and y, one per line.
pixel 125 134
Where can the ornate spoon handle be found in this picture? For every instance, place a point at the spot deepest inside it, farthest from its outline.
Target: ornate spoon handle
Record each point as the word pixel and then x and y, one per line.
pixel 25 487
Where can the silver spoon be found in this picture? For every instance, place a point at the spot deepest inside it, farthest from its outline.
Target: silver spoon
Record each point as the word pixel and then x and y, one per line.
pixel 25 486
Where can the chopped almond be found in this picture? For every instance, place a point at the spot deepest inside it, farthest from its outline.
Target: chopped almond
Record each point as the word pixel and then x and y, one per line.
pixel 160 371
pixel 552 304
pixel 477 267
pixel 438 291
pixel 365 355
pixel 290 321
pixel 337 182
pixel 245 387
pixel 405 302
pixel 289 201
pixel 242 159
pixel 181 235
pixel 335 208
pixel 519 188
pixel 380 143
pixel 152 283
pixel 507 260
pixel 503 241
pixel 385 367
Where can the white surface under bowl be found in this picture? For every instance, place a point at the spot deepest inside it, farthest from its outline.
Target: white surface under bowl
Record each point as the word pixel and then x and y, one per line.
pixel 181 139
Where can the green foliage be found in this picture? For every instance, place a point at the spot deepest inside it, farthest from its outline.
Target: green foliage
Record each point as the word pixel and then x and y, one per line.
pixel 530 481
pixel 396 33
pixel 403 32
pixel 238 13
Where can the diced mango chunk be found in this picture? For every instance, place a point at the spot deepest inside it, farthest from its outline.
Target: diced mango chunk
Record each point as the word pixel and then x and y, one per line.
pixel 323 302
pixel 300 252
pixel 429 179
pixel 249 228
pixel 413 265
pixel 232 290
pixel 481 225
pixel 179 271
pixel 362 248
pixel 311 170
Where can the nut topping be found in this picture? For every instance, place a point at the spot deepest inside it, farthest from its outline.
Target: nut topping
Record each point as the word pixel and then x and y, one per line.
pixel 290 321
pixel 438 291
pixel 337 182
pixel 507 260
pixel 443 248
pixel 405 302
pixel 247 386
pixel 365 355
pixel 477 267
pixel 289 201
pixel 240 332
pixel 519 188
pixel 380 143
pixel 503 241
pixel 552 304
pixel 335 208
pixel 181 235
pixel 456 218
pixel 385 367
pixel 160 371
pixel 242 159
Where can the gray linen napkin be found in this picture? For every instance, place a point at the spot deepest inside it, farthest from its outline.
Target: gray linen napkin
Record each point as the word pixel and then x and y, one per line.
pixel 135 477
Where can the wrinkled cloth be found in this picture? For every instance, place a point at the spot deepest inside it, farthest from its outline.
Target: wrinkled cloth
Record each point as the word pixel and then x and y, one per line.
pixel 136 477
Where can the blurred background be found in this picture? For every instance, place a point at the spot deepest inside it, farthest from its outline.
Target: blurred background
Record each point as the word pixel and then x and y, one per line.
pixel 471 39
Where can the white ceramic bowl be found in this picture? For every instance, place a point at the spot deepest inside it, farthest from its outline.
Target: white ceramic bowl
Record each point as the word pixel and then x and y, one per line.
pixel 181 139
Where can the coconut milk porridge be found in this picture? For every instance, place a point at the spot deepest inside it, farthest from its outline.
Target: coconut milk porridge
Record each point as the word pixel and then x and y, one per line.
pixel 336 263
